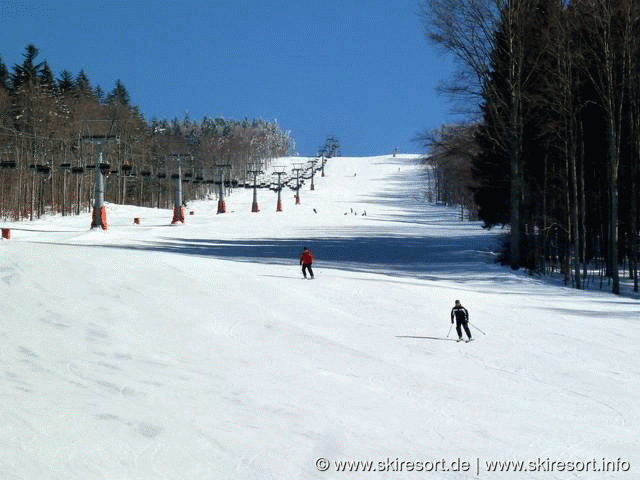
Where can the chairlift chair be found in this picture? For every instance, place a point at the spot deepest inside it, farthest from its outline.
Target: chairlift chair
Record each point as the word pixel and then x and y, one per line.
pixel 43 169
pixel 8 165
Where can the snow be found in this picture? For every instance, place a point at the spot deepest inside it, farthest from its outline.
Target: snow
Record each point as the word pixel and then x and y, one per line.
pixel 196 351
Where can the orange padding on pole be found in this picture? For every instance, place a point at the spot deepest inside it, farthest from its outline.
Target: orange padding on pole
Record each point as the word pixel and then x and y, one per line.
pixel 6 233
pixel 178 215
pixel 99 218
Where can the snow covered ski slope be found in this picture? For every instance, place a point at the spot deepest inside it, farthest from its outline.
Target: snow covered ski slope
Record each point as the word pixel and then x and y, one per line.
pixel 195 352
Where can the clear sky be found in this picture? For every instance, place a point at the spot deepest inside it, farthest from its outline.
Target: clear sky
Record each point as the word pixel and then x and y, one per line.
pixel 357 69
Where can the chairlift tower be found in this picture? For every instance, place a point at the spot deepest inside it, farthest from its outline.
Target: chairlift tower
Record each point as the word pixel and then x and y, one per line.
pixel 66 168
pixel 296 170
pixel 178 209
pixel 279 171
pixel 99 217
pixel 255 171
pixel 313 171
pixel 222 204
pixel 6 165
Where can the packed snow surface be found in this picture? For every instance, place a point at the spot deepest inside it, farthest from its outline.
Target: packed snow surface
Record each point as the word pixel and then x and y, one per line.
pixel 197 351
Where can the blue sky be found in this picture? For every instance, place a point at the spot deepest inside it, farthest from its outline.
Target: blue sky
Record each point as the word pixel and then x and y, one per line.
pixel 357 69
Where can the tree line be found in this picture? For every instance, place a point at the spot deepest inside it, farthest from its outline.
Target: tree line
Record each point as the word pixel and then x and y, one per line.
pixel 556 138
pixel 50 129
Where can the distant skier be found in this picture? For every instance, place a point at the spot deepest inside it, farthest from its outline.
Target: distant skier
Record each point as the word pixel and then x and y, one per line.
pixel 461 316
pixel 306 259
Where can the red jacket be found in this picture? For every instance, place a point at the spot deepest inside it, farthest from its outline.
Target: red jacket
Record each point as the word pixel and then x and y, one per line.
pixel 306 257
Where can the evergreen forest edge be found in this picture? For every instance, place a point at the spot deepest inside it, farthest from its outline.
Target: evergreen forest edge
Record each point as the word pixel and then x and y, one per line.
pixel 552 148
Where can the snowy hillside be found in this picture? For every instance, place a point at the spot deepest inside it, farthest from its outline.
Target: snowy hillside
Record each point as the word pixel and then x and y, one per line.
pixel 196 351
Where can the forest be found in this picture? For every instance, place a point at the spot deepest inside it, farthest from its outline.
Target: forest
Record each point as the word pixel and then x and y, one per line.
pixel 549 91
pixel 51 130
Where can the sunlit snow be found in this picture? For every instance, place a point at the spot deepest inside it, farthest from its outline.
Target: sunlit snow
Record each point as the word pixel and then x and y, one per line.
pixel 197 351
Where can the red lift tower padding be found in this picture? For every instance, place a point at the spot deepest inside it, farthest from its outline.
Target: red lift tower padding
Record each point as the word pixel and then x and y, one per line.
pixel 178 215
pixel 222 206
pixel 99 218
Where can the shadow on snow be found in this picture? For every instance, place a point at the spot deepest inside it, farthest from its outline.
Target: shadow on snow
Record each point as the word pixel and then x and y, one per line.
pixel 449 257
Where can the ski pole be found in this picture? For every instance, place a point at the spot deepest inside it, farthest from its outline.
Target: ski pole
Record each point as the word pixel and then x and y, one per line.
pixel 477 328
pixel 449 330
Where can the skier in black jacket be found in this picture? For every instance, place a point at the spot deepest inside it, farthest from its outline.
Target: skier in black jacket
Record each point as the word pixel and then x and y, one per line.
pixel 461 316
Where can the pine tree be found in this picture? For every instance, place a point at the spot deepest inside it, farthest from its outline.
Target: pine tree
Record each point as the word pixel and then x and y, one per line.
pixel 4 76
pixel 119 95
pixel 65 82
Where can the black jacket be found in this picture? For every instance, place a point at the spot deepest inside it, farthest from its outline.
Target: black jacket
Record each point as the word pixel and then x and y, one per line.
pixel 460 314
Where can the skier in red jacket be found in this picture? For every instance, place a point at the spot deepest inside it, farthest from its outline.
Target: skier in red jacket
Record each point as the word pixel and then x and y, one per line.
pixel 306 259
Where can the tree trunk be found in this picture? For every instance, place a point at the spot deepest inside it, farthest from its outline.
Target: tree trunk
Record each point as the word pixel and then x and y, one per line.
pixel 613 210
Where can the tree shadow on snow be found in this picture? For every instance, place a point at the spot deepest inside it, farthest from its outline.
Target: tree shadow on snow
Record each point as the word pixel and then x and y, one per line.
pixel 437 257
pixel 427 338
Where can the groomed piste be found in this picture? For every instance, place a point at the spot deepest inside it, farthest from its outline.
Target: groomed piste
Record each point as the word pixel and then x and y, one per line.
pixel 196 350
